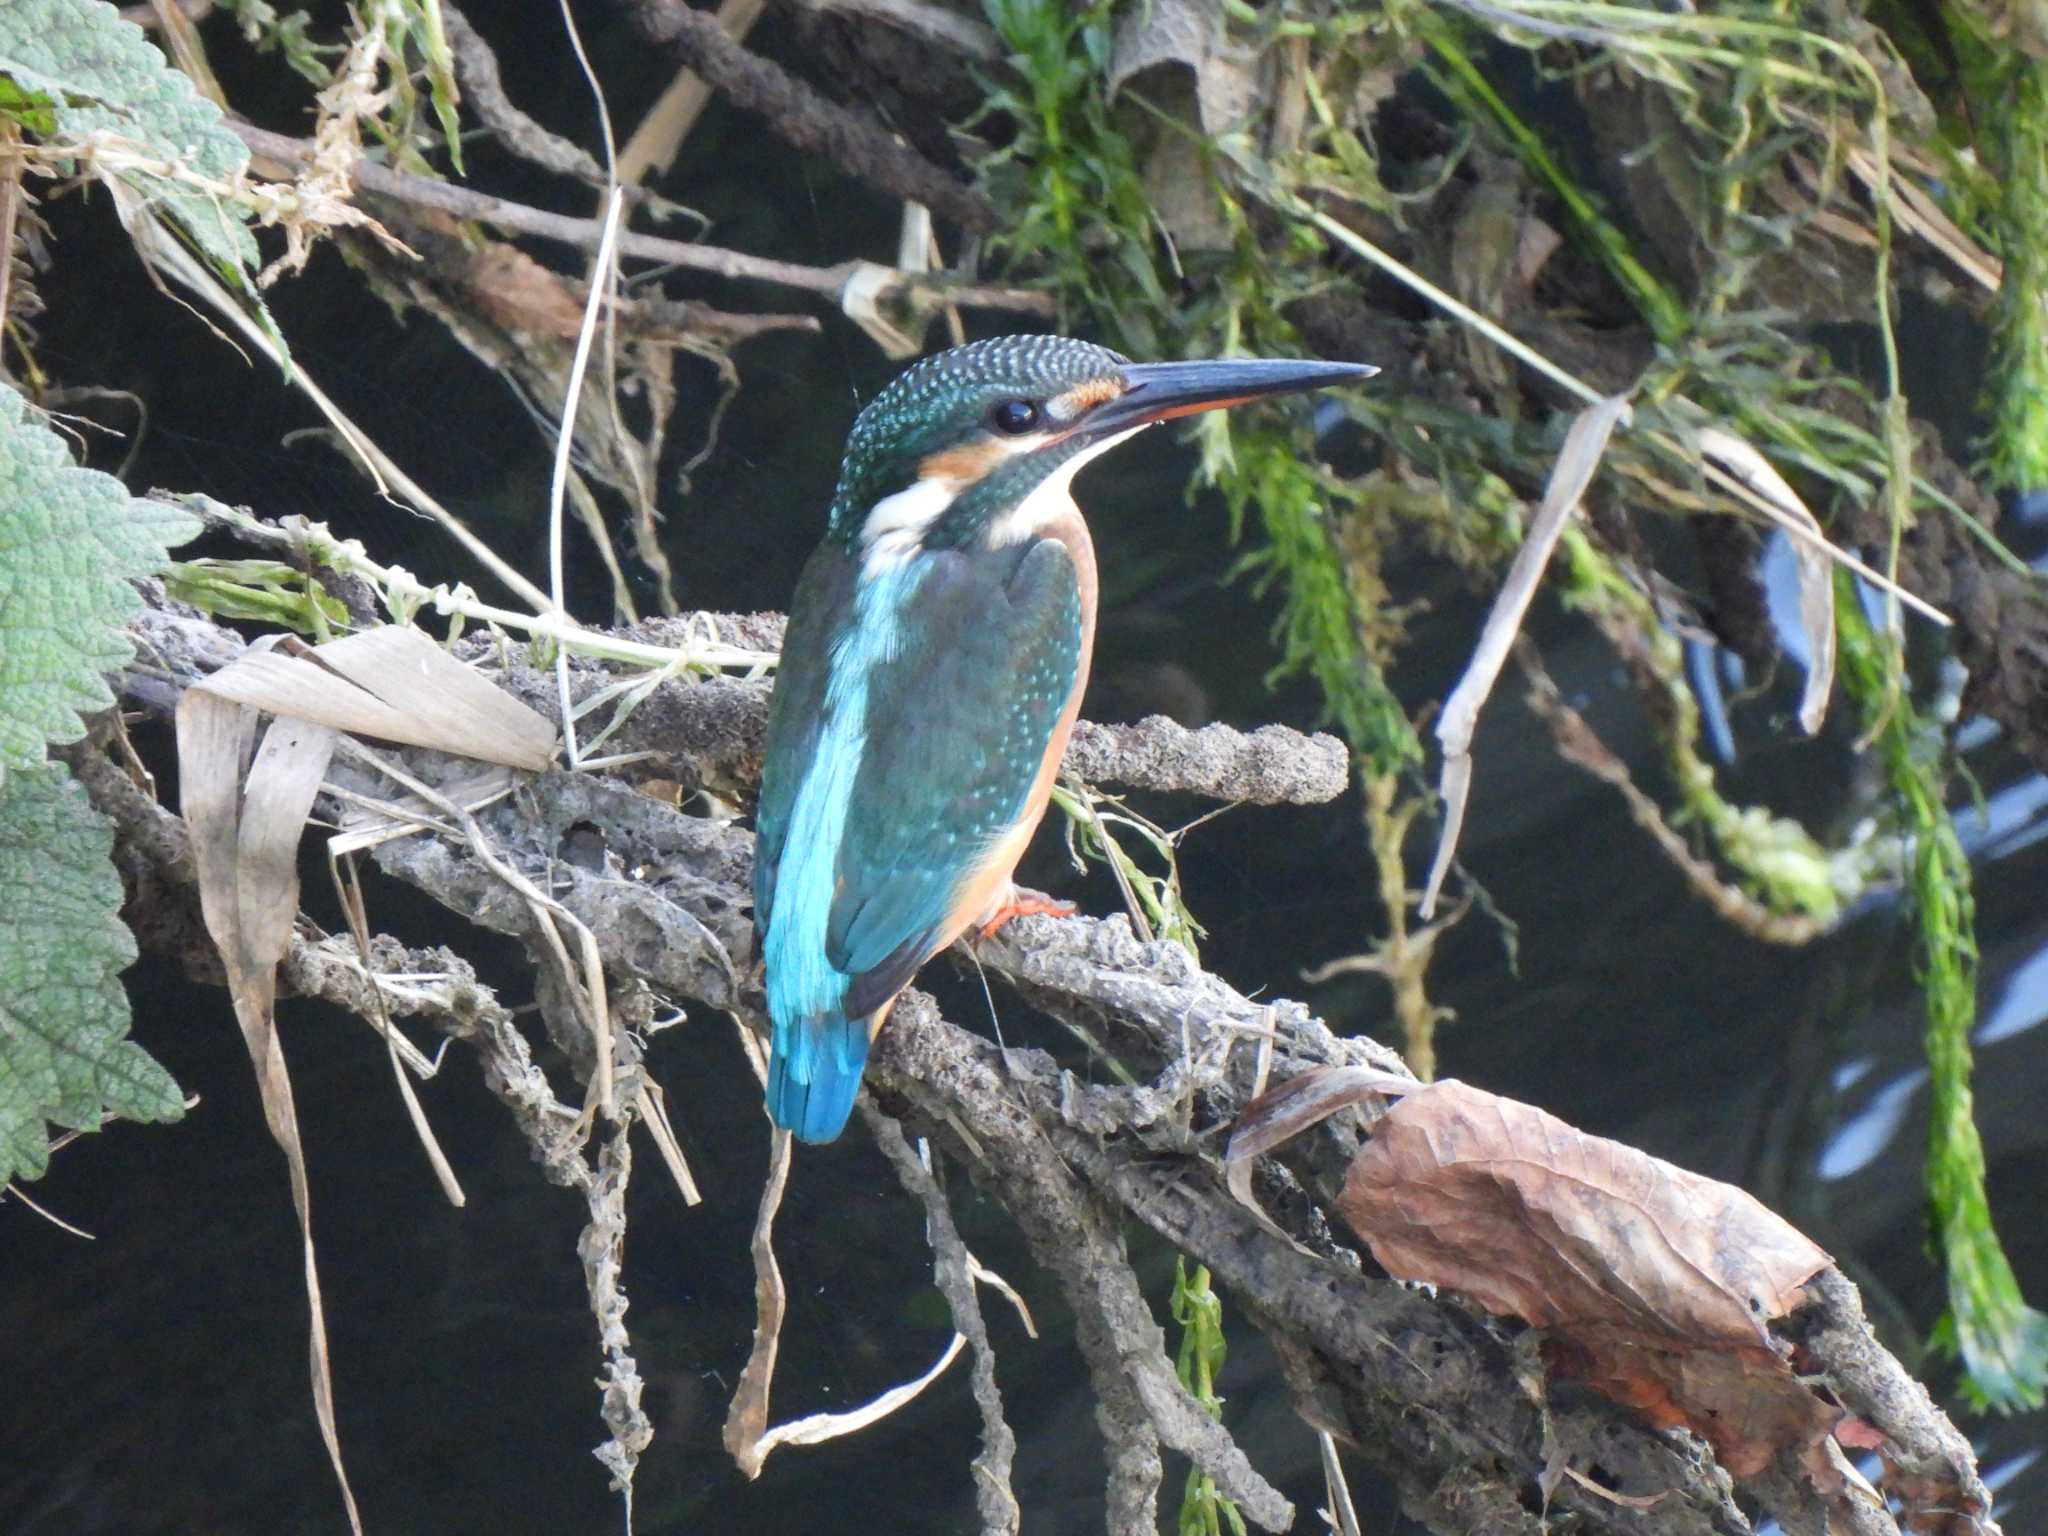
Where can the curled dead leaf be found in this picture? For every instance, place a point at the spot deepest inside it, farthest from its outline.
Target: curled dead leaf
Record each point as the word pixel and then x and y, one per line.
pixel 246 794
pixel 1654 1285
pixel 1536 1220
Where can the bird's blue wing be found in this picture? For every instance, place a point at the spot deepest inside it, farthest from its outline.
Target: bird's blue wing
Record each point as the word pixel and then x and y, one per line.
pixel 957 727
pixel 911 715
pixel 796 714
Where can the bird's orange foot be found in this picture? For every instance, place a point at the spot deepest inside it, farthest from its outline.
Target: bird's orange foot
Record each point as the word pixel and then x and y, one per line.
pixel 1023 903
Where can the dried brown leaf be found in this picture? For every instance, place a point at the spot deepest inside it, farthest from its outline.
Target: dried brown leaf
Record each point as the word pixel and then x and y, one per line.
pixel 247 811
pixel 245 837
pixel 1465 1189
pixel 1282 1113
pixel 394 684
pixel 1655 1285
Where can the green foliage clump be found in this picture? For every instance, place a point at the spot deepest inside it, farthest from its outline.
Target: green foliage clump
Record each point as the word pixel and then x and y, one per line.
pixel 85 76
pixel 1086 219
pixel 2003 1341
pixel 72 544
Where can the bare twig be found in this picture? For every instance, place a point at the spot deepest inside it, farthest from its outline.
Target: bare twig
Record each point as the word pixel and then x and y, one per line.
pixel 935 24
pixel 1139 1400
pixel 584 235
pixel 710 730
pixel 655 143
pixel 1269 766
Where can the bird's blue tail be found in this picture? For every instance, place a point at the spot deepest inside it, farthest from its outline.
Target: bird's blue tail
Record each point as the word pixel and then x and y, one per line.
pixel 813 1074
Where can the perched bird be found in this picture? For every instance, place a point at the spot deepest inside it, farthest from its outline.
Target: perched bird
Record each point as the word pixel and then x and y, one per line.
pixel 936 655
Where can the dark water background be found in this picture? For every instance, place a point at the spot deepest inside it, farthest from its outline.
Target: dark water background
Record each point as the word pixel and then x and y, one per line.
pixel 153 1381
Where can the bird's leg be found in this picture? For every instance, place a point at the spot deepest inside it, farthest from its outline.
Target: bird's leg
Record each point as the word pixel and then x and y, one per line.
pixel 1023 903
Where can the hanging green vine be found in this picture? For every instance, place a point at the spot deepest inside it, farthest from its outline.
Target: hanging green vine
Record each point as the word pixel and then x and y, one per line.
pixel 2003 1342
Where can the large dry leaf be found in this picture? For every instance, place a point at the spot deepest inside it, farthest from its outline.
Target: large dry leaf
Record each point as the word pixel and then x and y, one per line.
pixel 245 838
pixel 1655 1285
pixel 395 684
pixel 246 806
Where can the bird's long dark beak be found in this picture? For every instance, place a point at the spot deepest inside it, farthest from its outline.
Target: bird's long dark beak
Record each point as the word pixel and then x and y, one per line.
pixel 1159 391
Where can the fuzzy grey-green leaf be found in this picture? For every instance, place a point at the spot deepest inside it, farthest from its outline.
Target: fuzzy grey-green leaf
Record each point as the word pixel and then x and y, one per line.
pixel 72 542
pixel 65 1058
pixel 102 74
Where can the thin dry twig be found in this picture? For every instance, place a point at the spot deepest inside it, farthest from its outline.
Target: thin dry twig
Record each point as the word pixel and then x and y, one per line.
pixel 584 235
pixel 800 116
pixel 384 471
pixel 483 89
pixel 746 1421
pixel 658 139
pixel 348 890
pixel 1139 1400
pixel 604 275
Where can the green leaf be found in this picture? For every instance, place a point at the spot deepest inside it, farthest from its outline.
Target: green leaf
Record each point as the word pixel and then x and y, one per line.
pixel 102 75
pixel 64 1055
pixel 72 542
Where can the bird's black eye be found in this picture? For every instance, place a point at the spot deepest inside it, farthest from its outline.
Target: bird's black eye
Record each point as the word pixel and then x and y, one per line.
pixel 1014 417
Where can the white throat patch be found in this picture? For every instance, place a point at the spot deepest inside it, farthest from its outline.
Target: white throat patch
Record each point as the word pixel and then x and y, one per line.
pixel 1052 496
pixel 896 525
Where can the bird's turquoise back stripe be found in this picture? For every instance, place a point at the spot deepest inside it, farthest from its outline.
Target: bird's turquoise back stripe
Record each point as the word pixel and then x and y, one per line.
pixel 802 983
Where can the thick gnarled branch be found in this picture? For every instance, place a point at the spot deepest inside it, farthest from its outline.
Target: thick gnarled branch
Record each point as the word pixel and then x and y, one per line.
pixel 1446 1401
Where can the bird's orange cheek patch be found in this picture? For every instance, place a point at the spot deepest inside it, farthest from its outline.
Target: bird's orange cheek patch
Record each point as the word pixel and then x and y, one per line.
pixel 958 468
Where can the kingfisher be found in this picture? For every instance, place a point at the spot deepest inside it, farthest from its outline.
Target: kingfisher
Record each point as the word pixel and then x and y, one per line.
pixel 937 650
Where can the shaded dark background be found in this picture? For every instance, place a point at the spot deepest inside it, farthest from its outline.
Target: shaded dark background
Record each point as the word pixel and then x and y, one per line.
pixel 154 1379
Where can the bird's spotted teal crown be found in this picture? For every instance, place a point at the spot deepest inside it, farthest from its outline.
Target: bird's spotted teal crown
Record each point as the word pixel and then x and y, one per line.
pixel 949 402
